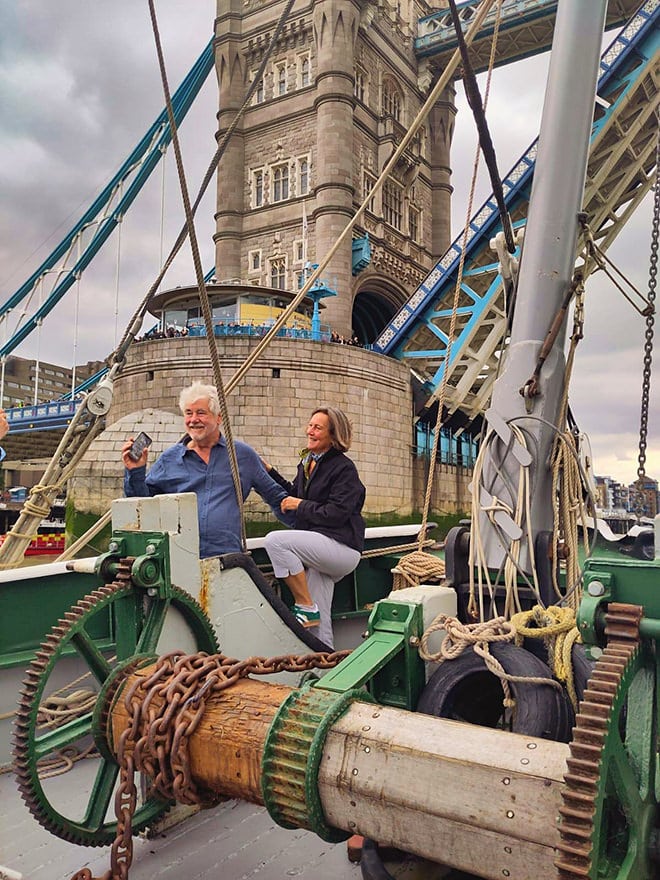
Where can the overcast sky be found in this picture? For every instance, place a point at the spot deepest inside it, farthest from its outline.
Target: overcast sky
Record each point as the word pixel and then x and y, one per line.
pixel 79 87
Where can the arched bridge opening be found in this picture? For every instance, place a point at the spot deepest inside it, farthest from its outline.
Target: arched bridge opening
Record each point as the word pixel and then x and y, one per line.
pixel 374 307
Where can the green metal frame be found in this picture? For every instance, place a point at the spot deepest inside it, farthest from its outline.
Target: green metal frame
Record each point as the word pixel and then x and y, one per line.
pixel 388 662
pixel 134 626
pixel 632 581
pixel 292 756
pixel 626 808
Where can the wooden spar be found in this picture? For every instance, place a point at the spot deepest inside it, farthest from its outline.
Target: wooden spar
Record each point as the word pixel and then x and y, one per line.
pixel 226 749
pixel 481 800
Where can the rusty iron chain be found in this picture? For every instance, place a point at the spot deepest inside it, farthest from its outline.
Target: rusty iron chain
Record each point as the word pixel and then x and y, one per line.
pixel 648 342
pixel 164 710
pixel 167 706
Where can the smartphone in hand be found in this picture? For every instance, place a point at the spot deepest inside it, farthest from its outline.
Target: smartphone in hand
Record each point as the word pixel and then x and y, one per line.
pixel 141 442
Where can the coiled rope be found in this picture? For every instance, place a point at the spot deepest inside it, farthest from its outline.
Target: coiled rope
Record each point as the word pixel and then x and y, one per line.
pixel 558 630
pixel 479 637
pixel 417 568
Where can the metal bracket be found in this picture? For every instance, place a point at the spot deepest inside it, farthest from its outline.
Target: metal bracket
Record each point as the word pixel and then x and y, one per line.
pixel 151 554
pixel 388 662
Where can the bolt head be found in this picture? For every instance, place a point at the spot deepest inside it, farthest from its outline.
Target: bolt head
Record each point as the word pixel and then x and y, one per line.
pixel 113 546
pixel 150 548
pixel 596 588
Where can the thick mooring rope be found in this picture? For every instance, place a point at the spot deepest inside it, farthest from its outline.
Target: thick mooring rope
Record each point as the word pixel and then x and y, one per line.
pixel 479 637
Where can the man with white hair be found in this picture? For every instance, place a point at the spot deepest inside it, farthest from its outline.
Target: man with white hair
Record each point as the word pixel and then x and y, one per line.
pixel 200 463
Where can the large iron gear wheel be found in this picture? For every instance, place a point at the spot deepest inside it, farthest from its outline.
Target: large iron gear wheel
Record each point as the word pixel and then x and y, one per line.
pixel 138 622
pixel 610 806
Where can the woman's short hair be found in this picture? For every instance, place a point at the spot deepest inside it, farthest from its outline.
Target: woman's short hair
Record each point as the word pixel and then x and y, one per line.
pixel 199 391
pixel 341 432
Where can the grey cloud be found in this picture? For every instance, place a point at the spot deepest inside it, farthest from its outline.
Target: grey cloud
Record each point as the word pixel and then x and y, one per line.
pixel 80 86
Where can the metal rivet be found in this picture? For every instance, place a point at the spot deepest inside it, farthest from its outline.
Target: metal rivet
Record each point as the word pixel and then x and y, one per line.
pixel 506 873
pixel 351 824
pixel 525 761
pixel 355 771
pixel 376 715
pixel 531 745
pixel 367 727
pixel 367 749
pixel 507 849
pixel 150 548
pixel 510 814
pixel 506 780
pixel 113 546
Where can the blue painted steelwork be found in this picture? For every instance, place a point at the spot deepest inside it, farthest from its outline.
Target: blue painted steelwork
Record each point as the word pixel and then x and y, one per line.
pixel 459 449
pixel 437 30
pixel 437 34
pixel 361 254
pixel 43 417
pixel 87 384
pixel 413 331
pixel 49 416
pixel 145 157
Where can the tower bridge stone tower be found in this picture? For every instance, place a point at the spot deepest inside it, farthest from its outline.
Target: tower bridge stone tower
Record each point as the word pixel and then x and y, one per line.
pixel 341 86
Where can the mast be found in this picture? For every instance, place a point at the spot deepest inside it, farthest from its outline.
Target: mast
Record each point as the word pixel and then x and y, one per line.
pixel 546 270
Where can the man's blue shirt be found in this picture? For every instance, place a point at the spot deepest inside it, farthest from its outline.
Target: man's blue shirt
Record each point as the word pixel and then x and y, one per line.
pixel 179 469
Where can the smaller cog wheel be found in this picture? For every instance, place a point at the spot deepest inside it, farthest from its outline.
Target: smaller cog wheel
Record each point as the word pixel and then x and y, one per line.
pixel 135 622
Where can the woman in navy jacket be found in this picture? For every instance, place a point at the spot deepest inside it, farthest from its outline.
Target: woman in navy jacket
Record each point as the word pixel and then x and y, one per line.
pixel 327 541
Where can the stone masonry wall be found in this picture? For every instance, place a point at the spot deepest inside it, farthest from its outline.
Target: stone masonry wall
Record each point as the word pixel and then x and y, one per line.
pixel 269 409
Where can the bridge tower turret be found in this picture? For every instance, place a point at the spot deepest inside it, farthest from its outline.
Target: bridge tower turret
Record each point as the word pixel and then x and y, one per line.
pixel 341 87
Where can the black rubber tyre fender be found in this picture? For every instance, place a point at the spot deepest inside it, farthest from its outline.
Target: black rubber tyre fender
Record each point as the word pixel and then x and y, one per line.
pixel 464 689
pixel 582 665
pixel 582 669
pixel 371 864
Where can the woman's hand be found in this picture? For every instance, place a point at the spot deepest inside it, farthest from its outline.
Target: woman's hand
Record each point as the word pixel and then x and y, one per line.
pixel 128 461
pixel 289 503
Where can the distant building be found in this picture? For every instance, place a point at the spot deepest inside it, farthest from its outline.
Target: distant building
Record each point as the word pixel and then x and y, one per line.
pixel 649 491
pixel 612 496
pixel 22 376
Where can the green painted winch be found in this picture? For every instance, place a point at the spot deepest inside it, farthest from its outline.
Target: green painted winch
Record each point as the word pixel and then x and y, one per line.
pixel 347 752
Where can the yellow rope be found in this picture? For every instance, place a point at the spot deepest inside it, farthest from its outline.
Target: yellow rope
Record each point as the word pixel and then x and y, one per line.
pixel 558 630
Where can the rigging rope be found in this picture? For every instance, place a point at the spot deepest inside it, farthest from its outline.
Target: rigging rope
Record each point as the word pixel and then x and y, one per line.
pixel 199 274
pixel 557 628
pixel 478 108
pixel 457 289
pixel 83 429
pixel 569 484
pixel 479 637
pixel 432 98
pixel 118 357
pixel 134 324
